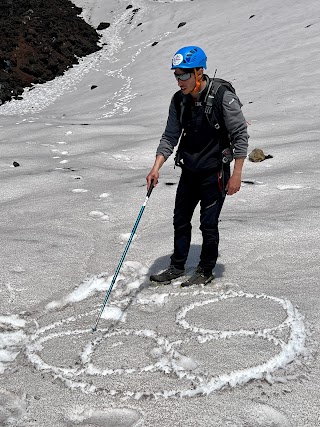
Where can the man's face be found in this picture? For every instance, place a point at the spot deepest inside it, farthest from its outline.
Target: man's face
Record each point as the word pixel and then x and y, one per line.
pixel 187 81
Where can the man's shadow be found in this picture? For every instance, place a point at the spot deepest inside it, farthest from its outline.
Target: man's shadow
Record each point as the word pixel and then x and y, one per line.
pixel 163 262
pixel 159 265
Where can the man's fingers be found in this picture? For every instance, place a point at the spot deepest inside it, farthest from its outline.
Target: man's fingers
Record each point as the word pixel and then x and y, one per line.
pixel 231 191
pixel 151 178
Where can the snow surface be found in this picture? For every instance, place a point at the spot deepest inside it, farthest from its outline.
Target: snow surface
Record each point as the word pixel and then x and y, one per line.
pixel 241 351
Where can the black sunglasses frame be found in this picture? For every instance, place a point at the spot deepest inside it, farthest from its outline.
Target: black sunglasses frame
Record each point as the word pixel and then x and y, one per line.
pixel 183 77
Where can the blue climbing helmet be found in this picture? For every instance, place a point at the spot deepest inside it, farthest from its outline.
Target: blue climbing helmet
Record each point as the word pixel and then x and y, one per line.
pixel 189 57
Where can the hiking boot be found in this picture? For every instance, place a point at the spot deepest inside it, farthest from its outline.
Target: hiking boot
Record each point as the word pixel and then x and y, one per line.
pixel 168 275
pixel 200 277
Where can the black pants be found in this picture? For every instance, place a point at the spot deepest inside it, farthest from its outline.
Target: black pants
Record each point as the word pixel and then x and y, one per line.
pixel 192 189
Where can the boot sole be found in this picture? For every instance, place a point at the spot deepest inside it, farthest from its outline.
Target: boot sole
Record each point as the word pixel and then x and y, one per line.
pixel 186 284
pixel 165 282
pixel 161 283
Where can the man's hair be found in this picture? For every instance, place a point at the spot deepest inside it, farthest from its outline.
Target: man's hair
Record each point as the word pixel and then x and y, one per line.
pixel 190 70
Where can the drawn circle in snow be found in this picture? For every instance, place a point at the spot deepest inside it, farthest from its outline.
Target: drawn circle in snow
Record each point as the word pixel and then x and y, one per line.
pixel 290 348
pixel 289 336
pixel 73 377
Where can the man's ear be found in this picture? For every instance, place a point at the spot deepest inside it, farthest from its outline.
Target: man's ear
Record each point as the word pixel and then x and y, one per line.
pixel 200 73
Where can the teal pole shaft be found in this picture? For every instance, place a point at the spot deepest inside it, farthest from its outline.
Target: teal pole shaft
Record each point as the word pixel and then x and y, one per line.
pixel 123 257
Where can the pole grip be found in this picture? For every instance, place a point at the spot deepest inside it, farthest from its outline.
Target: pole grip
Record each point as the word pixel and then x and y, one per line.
pixel 150 189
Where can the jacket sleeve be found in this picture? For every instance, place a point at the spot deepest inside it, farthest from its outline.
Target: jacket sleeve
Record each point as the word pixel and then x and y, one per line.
pixel 171 134
pixel 235 123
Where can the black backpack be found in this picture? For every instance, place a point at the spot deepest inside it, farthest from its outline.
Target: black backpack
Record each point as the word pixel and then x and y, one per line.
pixel 214 113
pixel 212 102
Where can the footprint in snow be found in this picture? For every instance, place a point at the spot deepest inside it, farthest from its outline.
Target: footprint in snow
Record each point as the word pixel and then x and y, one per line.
pixel 290 187
pixel 63 153
pixel 12 407
pixel 99 215
pixel 79 190
pixel 261 415
pixel 121 158
pixel 104 195
pixel 113 417
pixel 125 237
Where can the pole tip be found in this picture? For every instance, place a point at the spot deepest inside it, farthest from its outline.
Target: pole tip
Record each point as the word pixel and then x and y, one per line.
pixel 94 329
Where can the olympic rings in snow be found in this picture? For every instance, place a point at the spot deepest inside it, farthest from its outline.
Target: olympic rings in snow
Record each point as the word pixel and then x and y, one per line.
pixel 167 354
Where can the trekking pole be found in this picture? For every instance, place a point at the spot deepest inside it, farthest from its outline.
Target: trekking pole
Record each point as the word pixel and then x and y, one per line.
pixel 123 256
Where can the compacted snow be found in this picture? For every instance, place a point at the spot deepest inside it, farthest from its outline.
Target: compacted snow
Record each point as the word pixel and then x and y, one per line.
pixel 241 351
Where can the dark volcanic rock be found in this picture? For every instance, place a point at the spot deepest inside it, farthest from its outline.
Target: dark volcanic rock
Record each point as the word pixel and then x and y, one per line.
pixel 103 26
pixel 40 40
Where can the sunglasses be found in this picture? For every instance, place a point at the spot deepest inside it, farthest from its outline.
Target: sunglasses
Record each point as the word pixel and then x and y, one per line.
pixel 183 77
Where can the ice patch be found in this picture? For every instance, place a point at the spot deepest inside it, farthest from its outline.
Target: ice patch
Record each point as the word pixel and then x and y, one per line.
pixel 157 299
pixel 10 346
pixel 125 237
pixel 111 417
pixel 183 363
pixel 134 285
pixel 264 416
pixel 11 339
pixel 99 215
pixel 13 319
pixel 53 150
pixel 87 288
pixel 113 313
pixel 289 187
pixel 121 157
pixel 79 190
pixel 96 214
pixel 131 277
pixel 12 407
pixel 7 356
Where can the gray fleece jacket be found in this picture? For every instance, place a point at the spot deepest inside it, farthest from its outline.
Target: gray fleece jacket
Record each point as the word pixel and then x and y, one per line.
pixel 234 121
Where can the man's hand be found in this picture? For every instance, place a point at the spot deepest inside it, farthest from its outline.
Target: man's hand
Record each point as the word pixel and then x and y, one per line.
pixel 154 173
pixel 234 183
pixel 153 176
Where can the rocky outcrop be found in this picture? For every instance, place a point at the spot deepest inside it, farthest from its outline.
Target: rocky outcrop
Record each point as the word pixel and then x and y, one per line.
pixel 39 40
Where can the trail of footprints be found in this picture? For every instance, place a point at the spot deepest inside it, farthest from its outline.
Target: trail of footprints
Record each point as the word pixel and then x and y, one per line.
pixel 61 154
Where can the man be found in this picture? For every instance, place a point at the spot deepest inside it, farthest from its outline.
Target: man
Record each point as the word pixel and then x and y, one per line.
pixel 204 156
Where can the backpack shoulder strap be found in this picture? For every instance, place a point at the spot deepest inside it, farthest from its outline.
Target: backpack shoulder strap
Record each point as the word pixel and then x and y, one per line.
pixel 180 103
pixel 208 102
pixel 213 101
